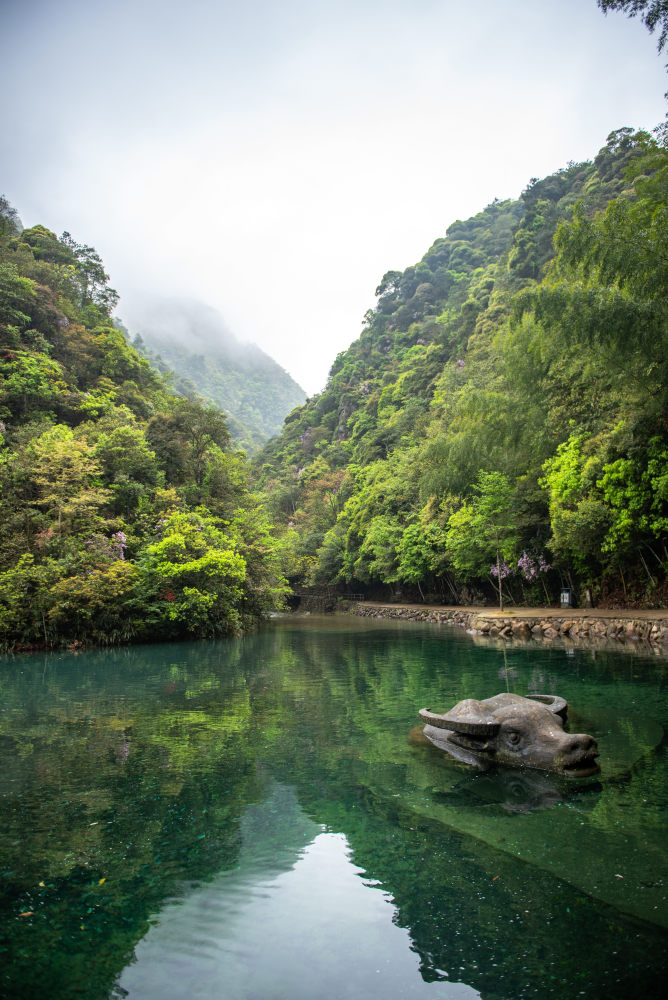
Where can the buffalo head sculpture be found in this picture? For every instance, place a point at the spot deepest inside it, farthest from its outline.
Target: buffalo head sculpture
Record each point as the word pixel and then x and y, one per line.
pixel 515 732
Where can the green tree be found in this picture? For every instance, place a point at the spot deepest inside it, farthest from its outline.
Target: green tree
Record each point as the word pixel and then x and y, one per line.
pixel 29 381
pixel 128 465
pixel 17 297
pixel 92 278
pixel 99 605
pixel 579 518
pixel 182 438
pixel 10 224
pixel 25 600
pixel 191 578
pixel 653 14
pixel 67 479
pixel 636 495
pixel 421 551
pixel 46 246
pixel 607 288
pixel 484 528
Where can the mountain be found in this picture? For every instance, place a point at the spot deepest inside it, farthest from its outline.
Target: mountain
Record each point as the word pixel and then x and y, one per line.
pixel 125 514
pixel 502 416
pixel 249 386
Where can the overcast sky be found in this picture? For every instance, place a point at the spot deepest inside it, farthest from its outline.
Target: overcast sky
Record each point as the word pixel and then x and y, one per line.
pixel 273 158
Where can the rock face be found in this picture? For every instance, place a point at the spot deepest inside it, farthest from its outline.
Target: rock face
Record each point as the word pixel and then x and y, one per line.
pixel 522 626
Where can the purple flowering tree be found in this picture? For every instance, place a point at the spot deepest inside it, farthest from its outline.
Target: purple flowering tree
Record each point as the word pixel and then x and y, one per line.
pixel 501 570
pixel 119 544
pixel 534 570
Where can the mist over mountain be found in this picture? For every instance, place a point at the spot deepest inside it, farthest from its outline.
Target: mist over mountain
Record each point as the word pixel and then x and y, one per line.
pixel 193 340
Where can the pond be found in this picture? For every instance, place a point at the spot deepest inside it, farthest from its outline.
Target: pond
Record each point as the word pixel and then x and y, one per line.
pixel 250 819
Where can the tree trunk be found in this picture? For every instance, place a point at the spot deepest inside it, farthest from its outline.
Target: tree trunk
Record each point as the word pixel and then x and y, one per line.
pixel 651 578
pixel 547 596
pixel 498 578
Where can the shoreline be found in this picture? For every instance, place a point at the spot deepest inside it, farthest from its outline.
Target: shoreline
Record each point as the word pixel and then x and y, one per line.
pixel 538 623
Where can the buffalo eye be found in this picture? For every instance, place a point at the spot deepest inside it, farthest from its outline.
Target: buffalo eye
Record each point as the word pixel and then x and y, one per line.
pixel 514 737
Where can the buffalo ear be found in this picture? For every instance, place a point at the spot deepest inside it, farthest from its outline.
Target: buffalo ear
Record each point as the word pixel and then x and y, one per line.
pixel 557 705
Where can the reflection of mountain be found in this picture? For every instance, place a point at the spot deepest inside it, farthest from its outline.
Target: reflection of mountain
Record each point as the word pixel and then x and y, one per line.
pixel 191 339
pixel 251 767
pixel 274 833
pixel 507 929
pixel 228 936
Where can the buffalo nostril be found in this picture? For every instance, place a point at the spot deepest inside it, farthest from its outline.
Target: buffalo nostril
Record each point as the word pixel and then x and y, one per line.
pixel 583 744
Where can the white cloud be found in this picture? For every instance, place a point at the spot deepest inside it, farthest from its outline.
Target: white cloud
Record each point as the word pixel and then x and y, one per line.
pixel 275 159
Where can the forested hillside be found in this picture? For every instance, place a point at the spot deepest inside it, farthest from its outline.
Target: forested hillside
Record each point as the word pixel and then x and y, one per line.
pixel 124 513
pixel 500 425
pixel 191 340
pixel 502 419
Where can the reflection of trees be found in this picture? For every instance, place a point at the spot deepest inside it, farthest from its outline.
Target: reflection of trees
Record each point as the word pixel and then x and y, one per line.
pixel 129 772
pixel 126 782
pixel 386 800
pixel 477 916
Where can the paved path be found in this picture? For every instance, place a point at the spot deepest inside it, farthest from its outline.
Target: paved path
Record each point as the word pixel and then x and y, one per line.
pixel 634 614
pixel 629 624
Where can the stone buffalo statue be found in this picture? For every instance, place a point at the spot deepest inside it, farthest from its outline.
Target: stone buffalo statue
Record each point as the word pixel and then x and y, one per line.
pixel 515 732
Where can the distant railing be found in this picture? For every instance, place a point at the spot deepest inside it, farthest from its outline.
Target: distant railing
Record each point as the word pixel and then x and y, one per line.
pixel 324 600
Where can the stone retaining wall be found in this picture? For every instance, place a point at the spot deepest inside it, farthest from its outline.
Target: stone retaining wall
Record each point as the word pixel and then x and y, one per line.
pixel 524 626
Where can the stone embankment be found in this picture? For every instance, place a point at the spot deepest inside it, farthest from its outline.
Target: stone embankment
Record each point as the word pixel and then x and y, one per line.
pixel 547 623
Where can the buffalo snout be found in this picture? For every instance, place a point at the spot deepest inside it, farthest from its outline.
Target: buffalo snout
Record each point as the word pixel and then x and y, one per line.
pixel 579 754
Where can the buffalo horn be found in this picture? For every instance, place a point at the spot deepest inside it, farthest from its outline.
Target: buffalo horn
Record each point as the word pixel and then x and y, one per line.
pixel 479 727
pixel 552 701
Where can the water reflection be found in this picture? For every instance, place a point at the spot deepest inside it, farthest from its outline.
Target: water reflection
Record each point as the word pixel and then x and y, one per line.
pixel 513 791
pixel 229 938
pixel 227 796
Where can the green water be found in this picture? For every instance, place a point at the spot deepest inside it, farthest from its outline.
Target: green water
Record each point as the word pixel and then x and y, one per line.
pixel 251 819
